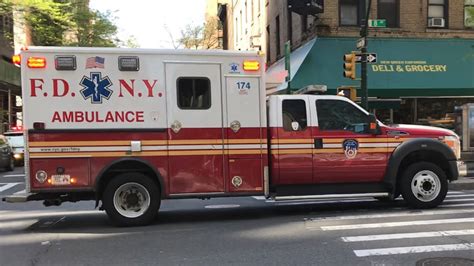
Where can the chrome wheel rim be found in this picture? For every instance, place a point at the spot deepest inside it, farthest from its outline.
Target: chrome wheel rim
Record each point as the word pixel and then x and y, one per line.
pixel 131 200
pixel 426 185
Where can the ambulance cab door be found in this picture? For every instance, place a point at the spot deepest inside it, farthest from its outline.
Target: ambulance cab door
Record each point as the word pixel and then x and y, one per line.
pixel 196 148
pixel 294 144
pixel 345 150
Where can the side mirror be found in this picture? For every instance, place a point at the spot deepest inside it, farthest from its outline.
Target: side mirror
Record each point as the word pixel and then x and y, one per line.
pixel 374 128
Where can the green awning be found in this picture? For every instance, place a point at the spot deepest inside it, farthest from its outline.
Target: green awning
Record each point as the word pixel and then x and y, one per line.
pixel 405 67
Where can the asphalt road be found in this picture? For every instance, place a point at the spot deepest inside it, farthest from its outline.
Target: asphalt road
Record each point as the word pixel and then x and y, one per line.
pixel 239 231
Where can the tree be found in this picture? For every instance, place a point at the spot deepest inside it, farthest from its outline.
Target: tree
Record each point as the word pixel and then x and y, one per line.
pixel 204 36
pixel 64 22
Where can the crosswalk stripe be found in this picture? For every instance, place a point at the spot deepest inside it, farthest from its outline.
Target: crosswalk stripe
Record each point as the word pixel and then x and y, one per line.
pixel 456 205
pixel 393 224
pixel 7 186
pixel 393 214
pixel 460 196
pixel 413 249
pixel 407 235
pixel 456 192
pixel 457 200
pixel 20 192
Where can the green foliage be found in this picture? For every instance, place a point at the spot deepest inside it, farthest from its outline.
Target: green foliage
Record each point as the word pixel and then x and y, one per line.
pixel 201 36
pixel 64 22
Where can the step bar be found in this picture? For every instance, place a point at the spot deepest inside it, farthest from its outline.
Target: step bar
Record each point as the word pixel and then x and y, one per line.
pixel 332 196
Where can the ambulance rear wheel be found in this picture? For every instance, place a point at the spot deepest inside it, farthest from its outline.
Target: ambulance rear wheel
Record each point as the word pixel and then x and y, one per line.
pixel 131 199
pixel 424 185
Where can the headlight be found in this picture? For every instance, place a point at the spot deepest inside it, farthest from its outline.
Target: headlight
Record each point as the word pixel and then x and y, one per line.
pixel 455 145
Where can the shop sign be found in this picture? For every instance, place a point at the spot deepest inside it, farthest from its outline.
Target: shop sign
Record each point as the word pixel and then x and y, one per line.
pixel 409 67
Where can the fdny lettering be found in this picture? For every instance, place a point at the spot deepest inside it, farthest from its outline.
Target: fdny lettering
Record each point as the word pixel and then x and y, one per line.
pixel 62 88
pixel 129 87
pixel 98 117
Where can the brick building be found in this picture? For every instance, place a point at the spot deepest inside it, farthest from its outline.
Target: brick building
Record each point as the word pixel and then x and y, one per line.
pixel 425 54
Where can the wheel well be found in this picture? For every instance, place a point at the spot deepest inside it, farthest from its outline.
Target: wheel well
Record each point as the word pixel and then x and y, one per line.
pixel 425 156
pixel 123 167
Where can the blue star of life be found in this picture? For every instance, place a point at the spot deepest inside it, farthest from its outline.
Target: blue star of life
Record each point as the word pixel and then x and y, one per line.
pixel 96 88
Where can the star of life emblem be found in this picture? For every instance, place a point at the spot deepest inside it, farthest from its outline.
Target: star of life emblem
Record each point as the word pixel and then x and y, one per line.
pixel 96 88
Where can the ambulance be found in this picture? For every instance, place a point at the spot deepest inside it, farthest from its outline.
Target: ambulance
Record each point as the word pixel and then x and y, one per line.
pixel 129 128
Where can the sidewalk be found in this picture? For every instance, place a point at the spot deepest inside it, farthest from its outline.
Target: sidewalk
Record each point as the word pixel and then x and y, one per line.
pixel 464 183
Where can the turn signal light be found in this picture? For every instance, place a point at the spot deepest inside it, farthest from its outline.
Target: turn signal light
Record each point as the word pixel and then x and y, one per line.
pixel 251 65
pixel 36 62
pixel 16 59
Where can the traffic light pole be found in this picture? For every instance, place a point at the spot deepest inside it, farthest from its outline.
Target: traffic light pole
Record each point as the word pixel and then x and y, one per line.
pixel 363 65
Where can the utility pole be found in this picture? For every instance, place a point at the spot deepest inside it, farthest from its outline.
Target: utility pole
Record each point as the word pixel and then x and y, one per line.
pixel 288 66
pixel 364 32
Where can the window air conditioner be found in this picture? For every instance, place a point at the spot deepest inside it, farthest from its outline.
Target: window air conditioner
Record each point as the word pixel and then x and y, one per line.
pixel 436 23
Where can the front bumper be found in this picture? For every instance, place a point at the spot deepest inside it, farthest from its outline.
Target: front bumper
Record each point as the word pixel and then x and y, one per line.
pixel 462 168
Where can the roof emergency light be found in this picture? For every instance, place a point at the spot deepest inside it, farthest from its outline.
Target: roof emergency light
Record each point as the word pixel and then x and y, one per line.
pixel 65 62
pixel 251 65
pixel 128 63
pixel 36 62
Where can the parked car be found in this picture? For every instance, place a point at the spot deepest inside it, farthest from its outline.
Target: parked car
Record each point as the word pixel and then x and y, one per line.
pixel 6 154
pixel 17 143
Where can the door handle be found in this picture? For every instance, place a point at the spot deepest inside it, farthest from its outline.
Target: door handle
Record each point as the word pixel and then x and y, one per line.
pixel 318 143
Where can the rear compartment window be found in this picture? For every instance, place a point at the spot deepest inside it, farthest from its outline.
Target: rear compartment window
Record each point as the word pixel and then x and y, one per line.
pixel 194 93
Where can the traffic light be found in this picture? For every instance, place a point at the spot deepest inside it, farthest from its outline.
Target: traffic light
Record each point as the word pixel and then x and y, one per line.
pixel 350 65
pixel 348 92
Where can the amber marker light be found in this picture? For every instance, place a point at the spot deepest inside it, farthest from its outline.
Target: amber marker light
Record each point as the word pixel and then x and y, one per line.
pixel 36 62
pixel 16 59
pixel 49 181
pixel 73 180
pixel 251 65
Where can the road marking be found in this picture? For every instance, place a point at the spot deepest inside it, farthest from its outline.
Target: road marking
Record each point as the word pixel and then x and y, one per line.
pixel 460 196
pixel 407 235
pixel 393 224
pixel 18 175
pixel 20 192
pixel 222 206
pixel 7 186
pixel 413 249
pixel 392 214
pixel 457 200
pixel 456 192
pixel 456 205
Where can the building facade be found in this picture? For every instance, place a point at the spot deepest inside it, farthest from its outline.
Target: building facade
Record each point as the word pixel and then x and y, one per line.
pixel 9 75
pixel 425 54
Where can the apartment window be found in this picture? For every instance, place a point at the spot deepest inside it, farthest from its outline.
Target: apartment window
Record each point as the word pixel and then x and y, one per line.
pixel 469 13
pixel 277 35
pixel 389 10
pixel 349 12
pixel 438 9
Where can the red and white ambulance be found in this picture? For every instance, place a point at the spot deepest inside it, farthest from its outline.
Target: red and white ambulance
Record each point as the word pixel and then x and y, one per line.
pixel 130 127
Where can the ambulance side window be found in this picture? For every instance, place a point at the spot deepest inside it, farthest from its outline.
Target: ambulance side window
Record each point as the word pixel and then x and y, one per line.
pixel 294 115
pixel 340 115
pixel 194 93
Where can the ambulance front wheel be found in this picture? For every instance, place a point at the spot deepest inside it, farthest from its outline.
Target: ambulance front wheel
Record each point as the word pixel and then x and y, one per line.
pixel 423 185
pixel 131 199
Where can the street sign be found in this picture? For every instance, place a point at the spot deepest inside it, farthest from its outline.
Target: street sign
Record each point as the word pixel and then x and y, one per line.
pixel 377 23
pixel 360 43
pixel 371 58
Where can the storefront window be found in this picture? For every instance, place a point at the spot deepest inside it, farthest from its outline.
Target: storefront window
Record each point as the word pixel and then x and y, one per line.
pixel 469 13
pixel 439 112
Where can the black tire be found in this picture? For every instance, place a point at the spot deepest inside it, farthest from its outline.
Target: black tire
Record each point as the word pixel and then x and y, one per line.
pixel 420 174
pixel 11 165
pixel 131 179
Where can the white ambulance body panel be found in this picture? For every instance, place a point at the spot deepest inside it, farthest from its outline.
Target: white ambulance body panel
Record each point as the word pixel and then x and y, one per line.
pixel 101 96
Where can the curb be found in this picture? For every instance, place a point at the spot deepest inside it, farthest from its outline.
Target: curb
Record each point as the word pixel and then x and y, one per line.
pixel 462 184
